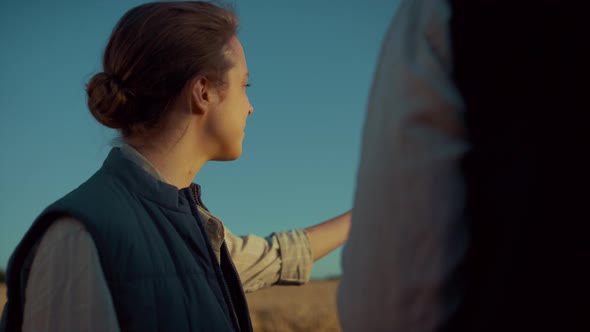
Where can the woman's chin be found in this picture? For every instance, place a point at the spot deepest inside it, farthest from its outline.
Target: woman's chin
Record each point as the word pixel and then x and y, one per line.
pixel 229 155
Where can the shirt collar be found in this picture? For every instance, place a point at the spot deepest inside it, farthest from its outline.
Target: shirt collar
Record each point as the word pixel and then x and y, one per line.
pixel 130 153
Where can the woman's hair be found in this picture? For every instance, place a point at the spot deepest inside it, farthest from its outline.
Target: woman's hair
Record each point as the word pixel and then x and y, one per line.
pixel 153 52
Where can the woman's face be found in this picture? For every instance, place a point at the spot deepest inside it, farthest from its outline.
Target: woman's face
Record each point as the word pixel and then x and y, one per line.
pixel 227 120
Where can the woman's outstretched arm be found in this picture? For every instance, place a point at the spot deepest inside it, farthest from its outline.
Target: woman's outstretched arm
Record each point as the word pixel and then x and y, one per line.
pixel 329 235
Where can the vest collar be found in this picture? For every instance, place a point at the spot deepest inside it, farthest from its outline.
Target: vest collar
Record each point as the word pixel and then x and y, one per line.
pixel 139 181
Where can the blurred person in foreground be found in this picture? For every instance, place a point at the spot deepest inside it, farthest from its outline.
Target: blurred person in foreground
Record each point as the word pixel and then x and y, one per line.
pixel 134 248
pixel 470 211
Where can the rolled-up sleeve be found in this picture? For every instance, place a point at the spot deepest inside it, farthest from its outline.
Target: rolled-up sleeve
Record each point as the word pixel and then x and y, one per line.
pixel 280 258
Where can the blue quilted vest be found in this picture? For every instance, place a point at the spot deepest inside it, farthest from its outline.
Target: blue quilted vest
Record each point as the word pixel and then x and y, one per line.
pixel 158 262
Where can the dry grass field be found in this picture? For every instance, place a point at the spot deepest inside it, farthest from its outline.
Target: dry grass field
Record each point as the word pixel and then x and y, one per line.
pixel 311 307
pixel 286 308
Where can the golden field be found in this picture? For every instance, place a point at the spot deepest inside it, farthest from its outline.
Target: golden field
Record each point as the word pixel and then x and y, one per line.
pixel 311 307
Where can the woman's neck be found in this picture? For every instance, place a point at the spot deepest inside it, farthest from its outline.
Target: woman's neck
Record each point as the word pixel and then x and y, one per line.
pixel 178 163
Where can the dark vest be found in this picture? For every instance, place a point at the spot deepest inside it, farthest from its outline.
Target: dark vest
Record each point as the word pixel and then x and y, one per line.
pixel 522 68
pixel 160 268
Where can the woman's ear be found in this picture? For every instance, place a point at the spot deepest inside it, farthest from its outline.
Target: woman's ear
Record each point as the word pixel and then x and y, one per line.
pixel 201 95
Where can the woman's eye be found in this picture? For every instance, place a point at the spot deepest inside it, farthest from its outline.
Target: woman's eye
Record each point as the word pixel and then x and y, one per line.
pixel 247 85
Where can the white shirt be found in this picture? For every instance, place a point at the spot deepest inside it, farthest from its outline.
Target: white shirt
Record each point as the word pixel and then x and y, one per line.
pixel 409 187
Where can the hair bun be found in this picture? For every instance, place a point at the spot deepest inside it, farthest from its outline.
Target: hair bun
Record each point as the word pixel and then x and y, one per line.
pixel 109 102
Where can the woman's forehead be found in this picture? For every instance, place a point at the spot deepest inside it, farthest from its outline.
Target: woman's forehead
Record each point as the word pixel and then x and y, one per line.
pixel 235 53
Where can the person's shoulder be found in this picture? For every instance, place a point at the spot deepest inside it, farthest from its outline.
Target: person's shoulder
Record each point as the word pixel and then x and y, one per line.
pixel 61 234
pixel 421 14
pixel 100 190
pixel 64 227
pixel 100 200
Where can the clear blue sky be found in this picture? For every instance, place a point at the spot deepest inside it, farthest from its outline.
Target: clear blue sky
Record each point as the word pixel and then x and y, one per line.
pixel 311 65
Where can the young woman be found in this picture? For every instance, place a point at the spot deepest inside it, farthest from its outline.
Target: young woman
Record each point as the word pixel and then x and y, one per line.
pixel 134 248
